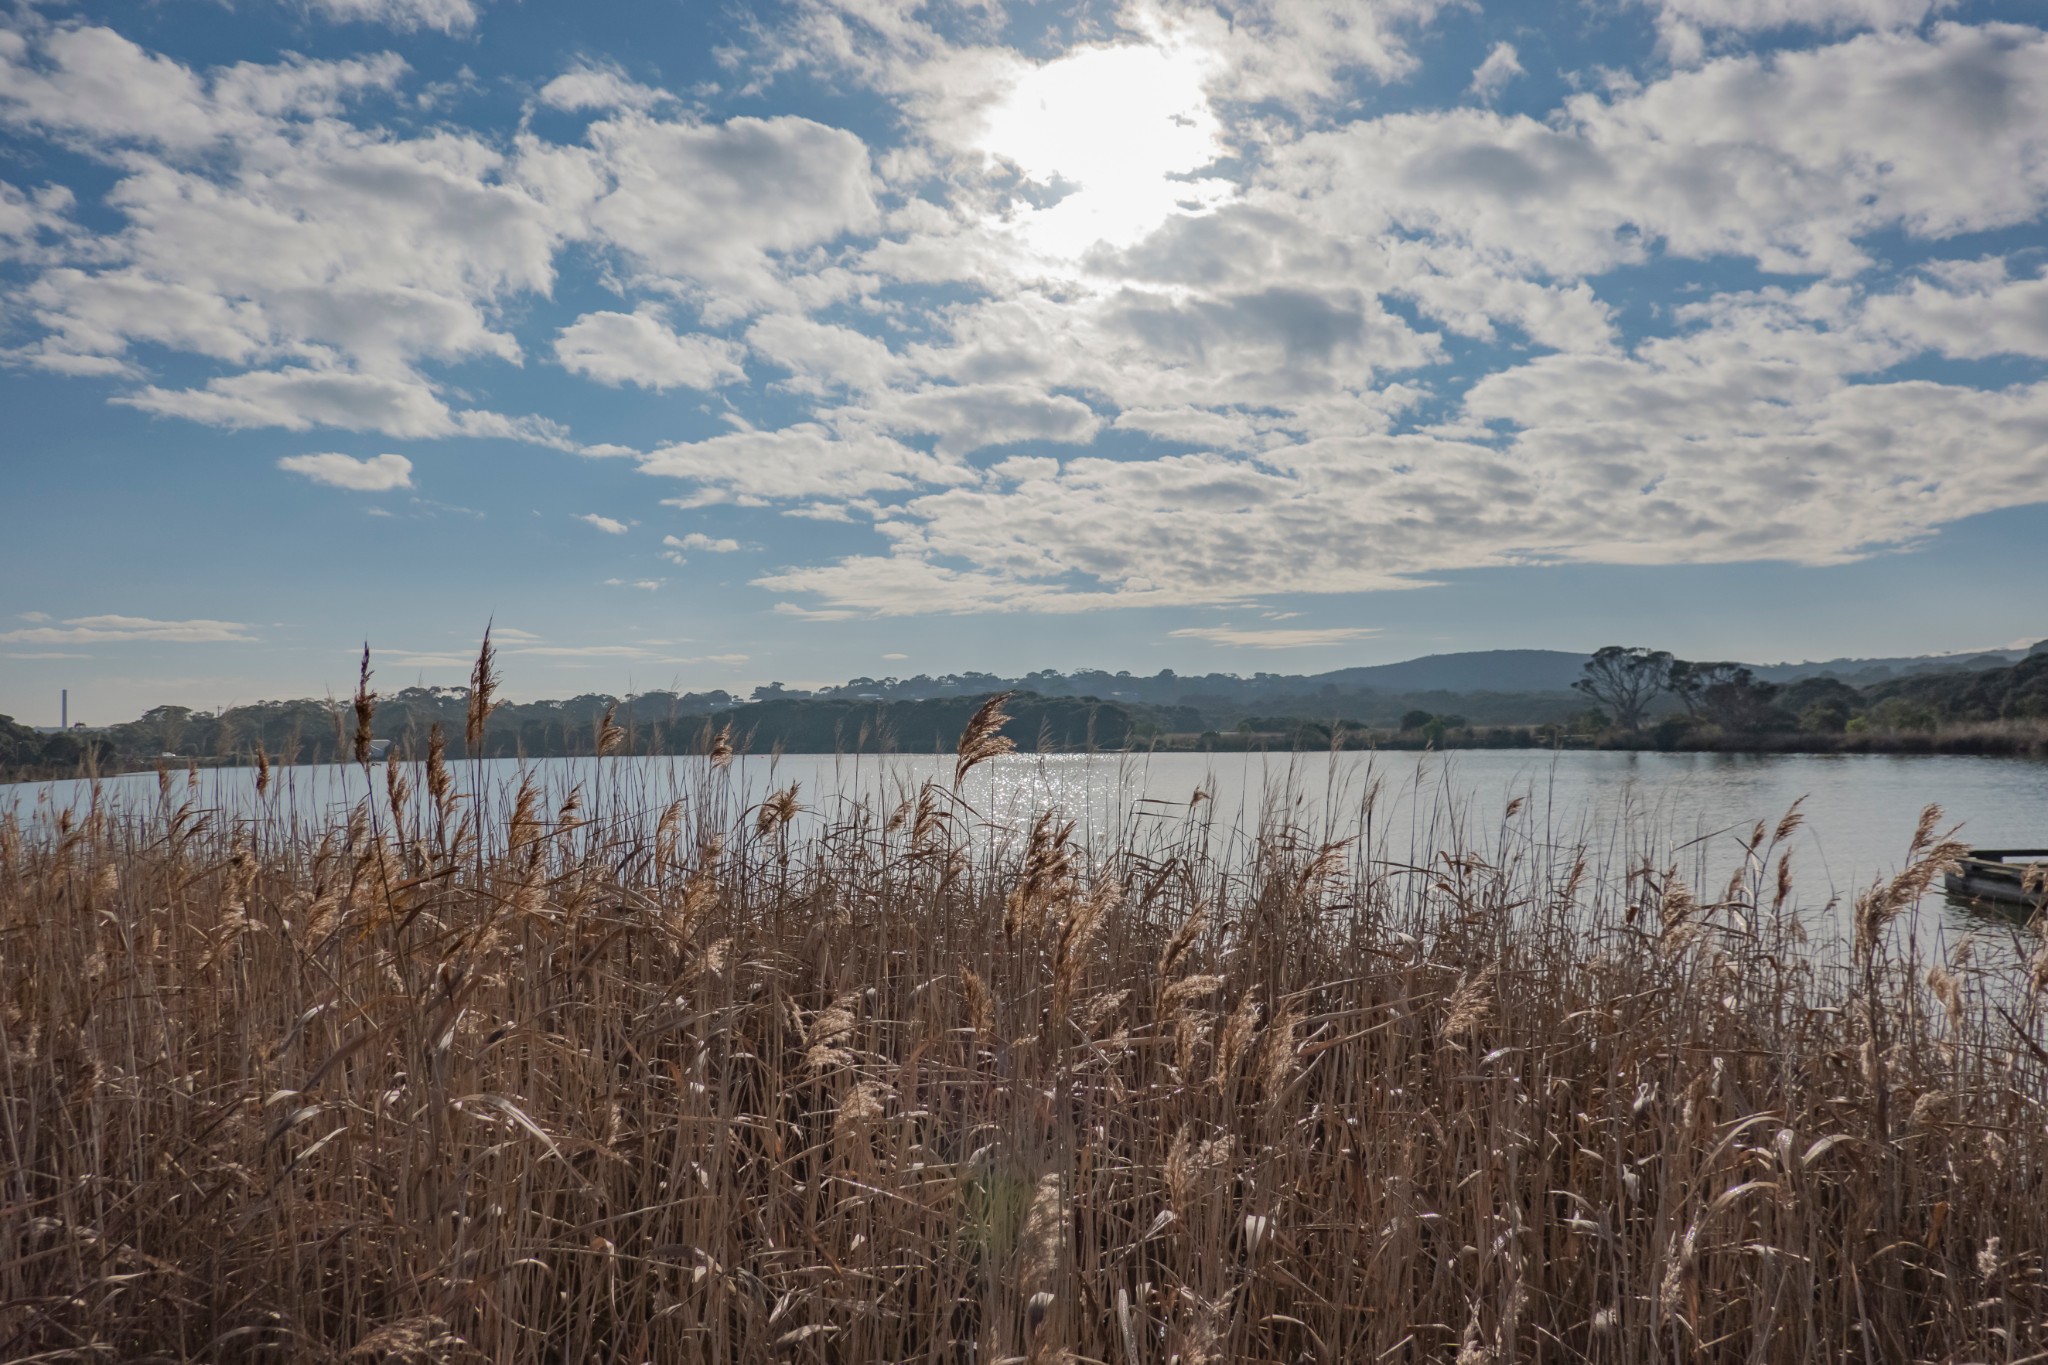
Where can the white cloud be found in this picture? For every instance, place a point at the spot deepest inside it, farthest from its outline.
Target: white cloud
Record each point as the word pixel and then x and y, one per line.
pixel 707 208
pixel 595 651
pixel 599 85
pixel 300 399
pixel 795 612
pixel 697 540
pixel 1299 50
pixel 373 475
pixel 622 348
pixel 909 584
pixel 643 584
pixel 408 659
pixel 804 461
pixel 1787 159
pixel 29 219
pixel 1684 27
pixel 1255 638
pixel 1749 435
pixel 259 228
pixel 446 16
pixel 92 83
pixel 821 356
pixel 80 630
pixel 1968 310
pixel 605 524
pixel 1492 75
pixel 971 416
pixel 1754 15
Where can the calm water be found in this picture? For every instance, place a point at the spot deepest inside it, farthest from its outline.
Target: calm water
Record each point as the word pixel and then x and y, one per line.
pixel 1860 809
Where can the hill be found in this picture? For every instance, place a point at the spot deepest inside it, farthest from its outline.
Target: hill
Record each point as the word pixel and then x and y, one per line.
pixel 1487 670
pixel 1864 672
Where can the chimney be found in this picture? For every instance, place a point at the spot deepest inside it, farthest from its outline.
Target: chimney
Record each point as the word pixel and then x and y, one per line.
pixel 64 709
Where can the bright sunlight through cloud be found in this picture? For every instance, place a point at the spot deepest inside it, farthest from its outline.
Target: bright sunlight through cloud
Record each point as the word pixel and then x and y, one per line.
pixel 1111 136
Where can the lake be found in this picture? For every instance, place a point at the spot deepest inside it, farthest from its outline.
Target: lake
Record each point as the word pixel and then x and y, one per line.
pixel 1688 809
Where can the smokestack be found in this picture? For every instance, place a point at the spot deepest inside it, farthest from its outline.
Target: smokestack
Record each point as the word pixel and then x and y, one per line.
pixel 64 709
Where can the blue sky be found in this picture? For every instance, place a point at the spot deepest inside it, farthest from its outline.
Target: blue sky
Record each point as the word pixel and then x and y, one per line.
pixel 703 346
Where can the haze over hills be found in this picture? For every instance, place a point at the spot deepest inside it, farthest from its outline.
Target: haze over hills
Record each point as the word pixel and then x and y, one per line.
pixel 1490 671
pixel 1876 670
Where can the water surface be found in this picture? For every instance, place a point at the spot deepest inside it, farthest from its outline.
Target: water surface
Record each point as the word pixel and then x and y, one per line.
pixel 1684 809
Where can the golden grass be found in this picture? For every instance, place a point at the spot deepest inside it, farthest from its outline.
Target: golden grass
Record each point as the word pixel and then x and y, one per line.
pixel 580 1080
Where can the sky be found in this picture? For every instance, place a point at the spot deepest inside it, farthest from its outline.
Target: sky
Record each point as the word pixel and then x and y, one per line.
pixel 703 346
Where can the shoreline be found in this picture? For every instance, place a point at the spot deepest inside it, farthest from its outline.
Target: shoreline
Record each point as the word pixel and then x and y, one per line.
pixel 1963 744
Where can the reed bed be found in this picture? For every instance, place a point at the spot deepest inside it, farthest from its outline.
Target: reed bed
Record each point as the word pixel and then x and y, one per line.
pixel 557 1076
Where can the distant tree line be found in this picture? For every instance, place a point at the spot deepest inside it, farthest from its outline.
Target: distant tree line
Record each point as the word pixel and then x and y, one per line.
pixel 659 723
pixel 1728 698
pixel 1640 698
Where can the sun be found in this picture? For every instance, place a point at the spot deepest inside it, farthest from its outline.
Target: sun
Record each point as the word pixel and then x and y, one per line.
pixel 1112 135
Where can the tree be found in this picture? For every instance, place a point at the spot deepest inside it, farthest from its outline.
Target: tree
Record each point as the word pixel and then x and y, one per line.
pixel 1415 720
pixel 1725 695
pixel 1689 681
pixel 1900 713
pixel 1741 704
pixel 1825 717
pixel 1626 681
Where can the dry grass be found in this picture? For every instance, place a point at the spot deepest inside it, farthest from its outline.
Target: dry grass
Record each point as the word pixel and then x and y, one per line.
pixel 572 1079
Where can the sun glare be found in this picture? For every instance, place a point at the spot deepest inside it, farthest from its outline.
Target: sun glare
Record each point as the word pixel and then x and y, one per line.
pixel 1112 134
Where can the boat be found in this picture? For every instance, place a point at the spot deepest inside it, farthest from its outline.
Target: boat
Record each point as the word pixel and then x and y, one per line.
pixel 2000 875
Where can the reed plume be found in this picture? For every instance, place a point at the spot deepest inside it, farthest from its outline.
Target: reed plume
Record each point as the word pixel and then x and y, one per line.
pixel 983 738
pixel 483 687
pixel 365 705
pixel 777 810
pixel 609 734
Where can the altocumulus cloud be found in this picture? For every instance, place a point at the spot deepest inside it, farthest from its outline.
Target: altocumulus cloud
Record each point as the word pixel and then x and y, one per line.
pixel 376 474
pixel 1154 316
pixel 1307 637
pixel 87 630
pixel 620 348
pixel 448 16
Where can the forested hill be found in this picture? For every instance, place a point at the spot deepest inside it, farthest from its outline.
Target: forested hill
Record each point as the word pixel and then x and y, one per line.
pixel 2018 692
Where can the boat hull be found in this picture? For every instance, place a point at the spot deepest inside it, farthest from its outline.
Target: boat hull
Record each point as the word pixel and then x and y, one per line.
pixel 1988 877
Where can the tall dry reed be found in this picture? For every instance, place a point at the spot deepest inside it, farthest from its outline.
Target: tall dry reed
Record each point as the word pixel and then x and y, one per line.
pixel 721 1080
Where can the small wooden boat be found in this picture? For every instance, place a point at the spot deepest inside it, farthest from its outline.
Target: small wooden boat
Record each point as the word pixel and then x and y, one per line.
pixel 1999 874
